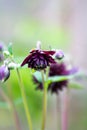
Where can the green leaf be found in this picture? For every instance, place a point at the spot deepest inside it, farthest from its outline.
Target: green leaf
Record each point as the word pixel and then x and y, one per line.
pixel 10 48
pixel 62 78
pixel 38 76
pixel 75 86
pixel 59 78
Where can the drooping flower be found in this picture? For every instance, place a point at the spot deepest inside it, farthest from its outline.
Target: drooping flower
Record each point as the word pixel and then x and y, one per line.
pixel 57 69
pixel 4 73
pixel 38 59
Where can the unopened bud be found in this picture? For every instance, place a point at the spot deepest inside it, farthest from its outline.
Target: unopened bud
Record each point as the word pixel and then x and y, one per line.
pixel 4 73
pixel 59 54
pixel 38 45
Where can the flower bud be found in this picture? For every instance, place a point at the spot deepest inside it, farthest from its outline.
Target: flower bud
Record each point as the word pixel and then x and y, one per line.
pixel 4 73
pixel 13 65
pixel 59 54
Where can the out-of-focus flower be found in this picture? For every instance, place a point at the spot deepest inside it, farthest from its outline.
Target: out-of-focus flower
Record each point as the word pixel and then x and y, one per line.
pixel 38 59
pixel 57 69
pixel 59 54
pixel 4 73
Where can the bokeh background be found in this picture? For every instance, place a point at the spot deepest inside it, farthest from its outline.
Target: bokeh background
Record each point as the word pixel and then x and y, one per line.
pixel 58 24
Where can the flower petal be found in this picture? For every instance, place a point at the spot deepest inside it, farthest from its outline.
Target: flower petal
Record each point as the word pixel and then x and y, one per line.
pixel 26 60
pixel 49 52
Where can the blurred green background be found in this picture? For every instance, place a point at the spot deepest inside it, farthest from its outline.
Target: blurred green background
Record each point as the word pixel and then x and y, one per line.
pixel 57 24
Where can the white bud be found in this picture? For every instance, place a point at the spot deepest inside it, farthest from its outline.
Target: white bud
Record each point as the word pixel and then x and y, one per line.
pixel 13 65
pixel 38 45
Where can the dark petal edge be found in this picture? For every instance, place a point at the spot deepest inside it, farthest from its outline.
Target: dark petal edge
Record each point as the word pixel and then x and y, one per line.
pixel 25 60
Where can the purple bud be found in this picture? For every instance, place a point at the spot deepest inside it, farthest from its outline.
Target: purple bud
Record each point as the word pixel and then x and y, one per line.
pixel 59 54
pixel 1 46
pixel 4 73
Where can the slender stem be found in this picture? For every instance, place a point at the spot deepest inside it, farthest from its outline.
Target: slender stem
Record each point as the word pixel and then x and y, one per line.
pixel 57 110
pixel 24 100
pixel 44 102
pixel 12 107
pixel 64 110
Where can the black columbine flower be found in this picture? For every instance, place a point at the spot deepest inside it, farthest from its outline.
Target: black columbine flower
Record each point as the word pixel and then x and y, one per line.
pixel 38 59
pixel 4 73
pixel 57 69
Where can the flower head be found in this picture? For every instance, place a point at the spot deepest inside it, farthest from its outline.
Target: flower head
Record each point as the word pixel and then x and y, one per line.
pixel 38 59
pixel 57 69
pixel 4 73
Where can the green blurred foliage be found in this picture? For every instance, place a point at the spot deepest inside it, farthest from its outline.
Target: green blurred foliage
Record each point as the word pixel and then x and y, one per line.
pixel 34 98
pixel 29 32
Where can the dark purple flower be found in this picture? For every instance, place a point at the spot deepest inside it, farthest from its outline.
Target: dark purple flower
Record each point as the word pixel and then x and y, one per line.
pixel 38 59
pixel 57 69
pixel 4 73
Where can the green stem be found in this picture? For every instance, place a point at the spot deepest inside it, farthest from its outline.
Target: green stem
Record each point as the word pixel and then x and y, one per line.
pixel 44 102
pixel 24 100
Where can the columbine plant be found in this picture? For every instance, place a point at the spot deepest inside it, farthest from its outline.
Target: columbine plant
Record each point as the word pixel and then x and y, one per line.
pixel 40 60
pixel 51 74
pixel 58 79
